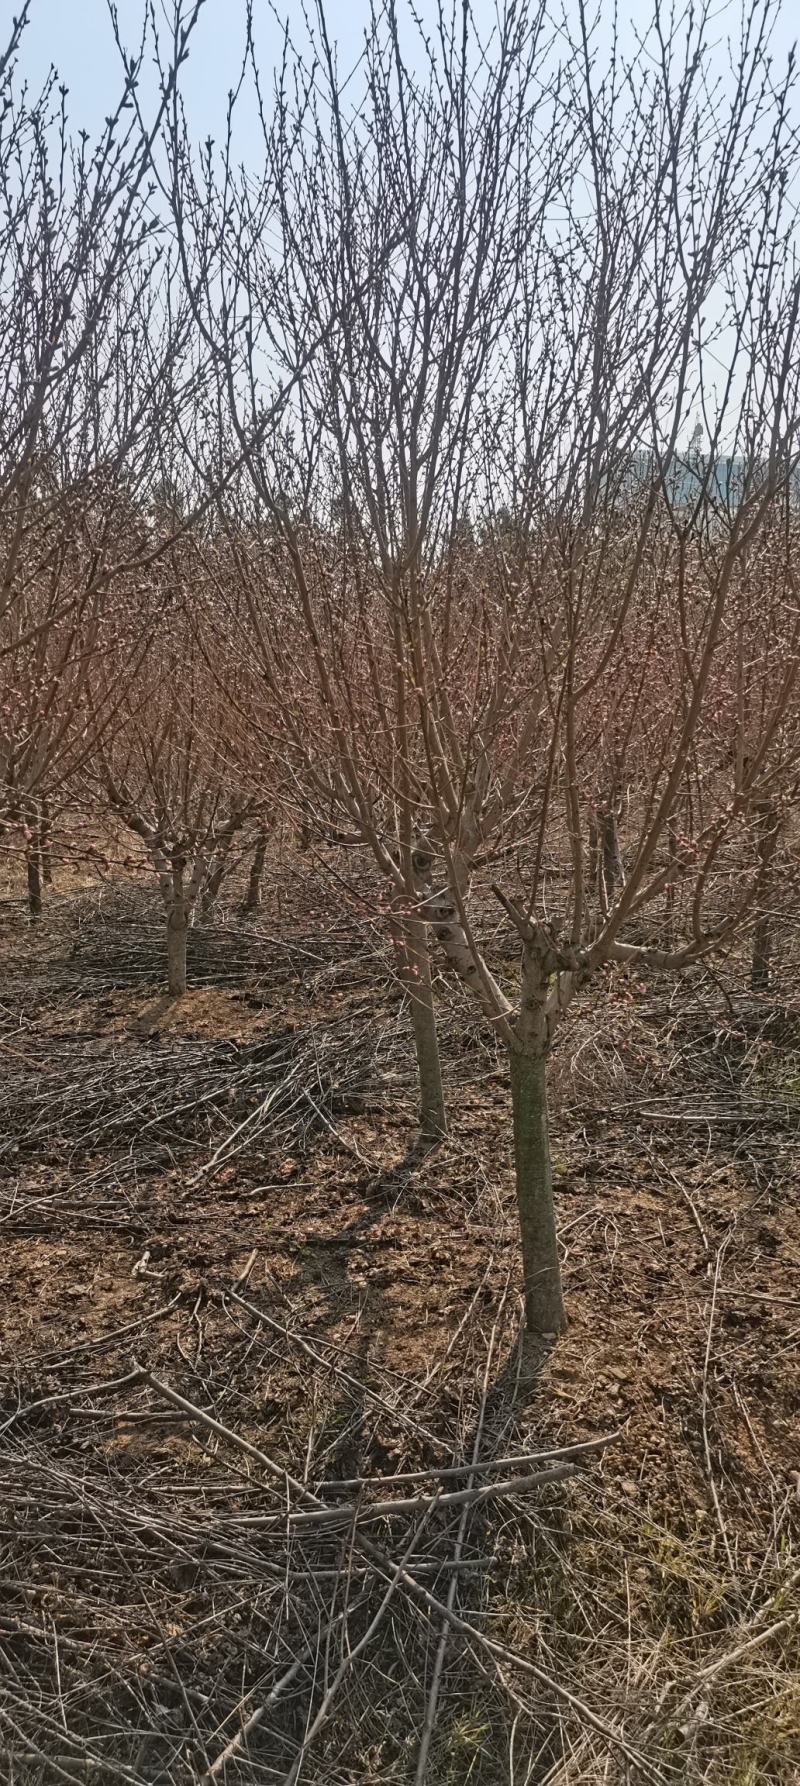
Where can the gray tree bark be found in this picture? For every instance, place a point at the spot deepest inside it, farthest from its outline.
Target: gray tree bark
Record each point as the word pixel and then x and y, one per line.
pixel 208 897
pixel 670 896
pixel 411 946
pixel 611 866
pixel 33 859
pixel 252 899
pixel 45 853
pixel 544 1304
pixel 594 854
pixel 606 871
pixel 177 931
pixel 33 865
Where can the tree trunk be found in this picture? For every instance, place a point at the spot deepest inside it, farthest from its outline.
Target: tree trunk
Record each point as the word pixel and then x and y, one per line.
pixel 544 1306
pixel 178 909
pixel 44 846
pixel 252 900
pixel 594 854
pixel 175 949
pixel 768 832
pixel 670 900
pixel 411 946
pixel 208 897
pixel 611 853
pixel 33 863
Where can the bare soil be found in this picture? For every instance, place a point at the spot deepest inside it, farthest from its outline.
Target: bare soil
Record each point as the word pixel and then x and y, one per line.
pixel 382 1330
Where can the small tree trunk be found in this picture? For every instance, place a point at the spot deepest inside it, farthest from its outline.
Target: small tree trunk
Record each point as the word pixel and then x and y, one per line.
pixel 208 897
pixel 612 855
pixel 33 864
pixel 44 846
pixel 177 928
pixel 544 1306
pixel 177 931
pixel 411 946
pixel 768 833
pixel 252 899
pixel 670 912
pixel 594 854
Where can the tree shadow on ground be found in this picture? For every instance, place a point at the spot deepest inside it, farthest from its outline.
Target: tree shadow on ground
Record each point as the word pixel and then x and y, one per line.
pixel 150 1020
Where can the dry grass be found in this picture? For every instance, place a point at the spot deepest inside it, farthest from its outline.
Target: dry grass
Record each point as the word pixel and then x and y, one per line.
pixel 143 1619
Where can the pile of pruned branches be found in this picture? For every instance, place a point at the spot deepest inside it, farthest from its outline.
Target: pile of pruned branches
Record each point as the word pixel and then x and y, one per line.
pixel 193 1594
pixel 183 1601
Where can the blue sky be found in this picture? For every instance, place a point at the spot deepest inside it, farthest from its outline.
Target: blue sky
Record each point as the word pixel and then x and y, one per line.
pixel 77 37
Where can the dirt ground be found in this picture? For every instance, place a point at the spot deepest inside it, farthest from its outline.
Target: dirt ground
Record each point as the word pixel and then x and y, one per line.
pixel 228 1195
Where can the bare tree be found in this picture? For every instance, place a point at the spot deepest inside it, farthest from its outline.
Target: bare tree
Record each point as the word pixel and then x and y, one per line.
pixel 399 239
pixel 252 898
pixel 166 769
pixel 486 568
pixel 631 557
pixel 93 348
